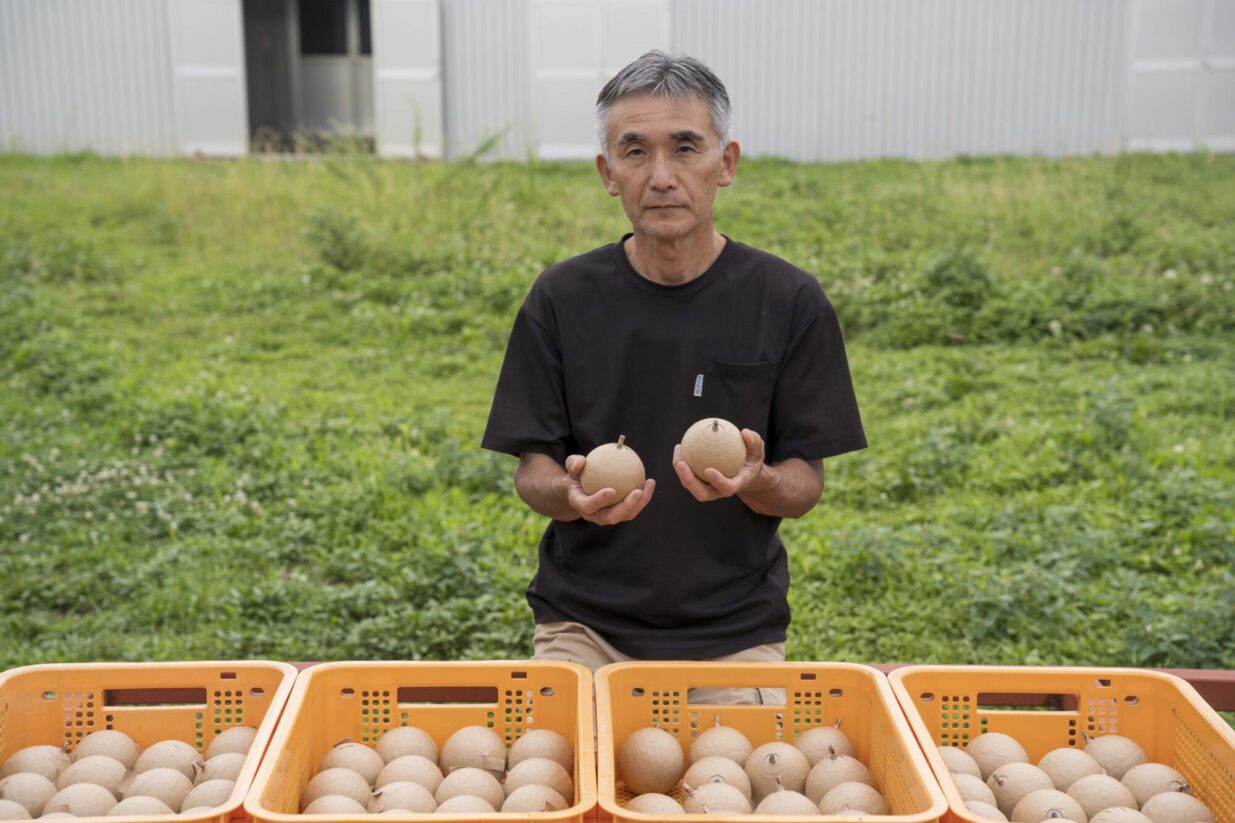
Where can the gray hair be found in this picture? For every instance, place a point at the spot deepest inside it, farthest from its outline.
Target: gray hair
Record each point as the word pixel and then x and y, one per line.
pixel 676 76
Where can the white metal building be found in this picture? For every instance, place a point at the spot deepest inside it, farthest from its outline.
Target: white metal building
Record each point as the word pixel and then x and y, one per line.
pixel 811 80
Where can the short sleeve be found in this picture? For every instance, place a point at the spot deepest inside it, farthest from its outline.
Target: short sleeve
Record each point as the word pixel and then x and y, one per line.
pixel 529 406
pixel 814 410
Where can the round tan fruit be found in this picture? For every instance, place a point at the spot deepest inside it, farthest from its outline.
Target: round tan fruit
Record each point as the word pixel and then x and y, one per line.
pixel 958 761
pixel 139 805
pixel 854 797
pixel 405 796
pixel 1148 779
pixel 48 761
pixel 226 766
pixel 1096 792
pixel 212 793
pixel 613 466
pixel 411 768
pixel 1012 781
pixel 993 749
pixel 534 798
pixel 236 739
pixel 474 747
pixel 109 743
pixel 972 788
pixel 650 760
pixel 168 785
pixel 713 443
pixel 833 770
pixel 540 771
pixel 1065 766
pixel 986 811
pixel 717 769
pixel 465 804
pixel 405 740
pixel 787 802
pixel 98 769
pixel 1116 753
pixel 774 764
pixel 1045 804
pixel 169 754
pixel 81 800
pixel 470 780
pixel 821 741
pixel 715 798
pixel 334 804
pixel 721 741
pixel 544 743
pixel 355 756
pixel 654 803
pixel 335 781
pixel 29 790
pixel 1176 807
pixel 10 810
pixel 1119 814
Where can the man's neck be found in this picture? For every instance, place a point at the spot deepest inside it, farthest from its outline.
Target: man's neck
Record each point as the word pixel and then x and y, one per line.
pixel 674 262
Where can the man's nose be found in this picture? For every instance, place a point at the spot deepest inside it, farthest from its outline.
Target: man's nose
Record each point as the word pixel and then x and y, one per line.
pixel 662 173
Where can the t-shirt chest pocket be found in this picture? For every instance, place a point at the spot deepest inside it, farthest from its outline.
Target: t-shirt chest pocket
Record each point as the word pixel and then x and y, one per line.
pixel 739 392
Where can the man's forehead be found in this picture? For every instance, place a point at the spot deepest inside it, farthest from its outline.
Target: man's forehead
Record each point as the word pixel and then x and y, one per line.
pixel 659 115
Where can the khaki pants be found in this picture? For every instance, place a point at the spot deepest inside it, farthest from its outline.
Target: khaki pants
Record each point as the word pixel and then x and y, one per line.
pixel 576 643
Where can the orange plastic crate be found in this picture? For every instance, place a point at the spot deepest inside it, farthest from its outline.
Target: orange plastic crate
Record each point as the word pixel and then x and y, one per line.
pixel 61 703
pixel 361 701
pixel 1047 708
pixel 630 696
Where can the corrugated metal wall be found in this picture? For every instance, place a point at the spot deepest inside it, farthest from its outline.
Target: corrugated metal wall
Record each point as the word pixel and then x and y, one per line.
pixel 486 50
pixel 86 74
pixel 839 79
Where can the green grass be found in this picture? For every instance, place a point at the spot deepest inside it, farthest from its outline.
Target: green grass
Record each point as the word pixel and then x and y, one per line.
pixel 240 406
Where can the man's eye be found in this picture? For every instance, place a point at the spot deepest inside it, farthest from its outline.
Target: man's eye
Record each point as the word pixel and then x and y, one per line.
pixel 686 148
pixel 634 152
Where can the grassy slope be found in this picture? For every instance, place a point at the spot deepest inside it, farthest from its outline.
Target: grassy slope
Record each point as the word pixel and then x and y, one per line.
pixel 241 403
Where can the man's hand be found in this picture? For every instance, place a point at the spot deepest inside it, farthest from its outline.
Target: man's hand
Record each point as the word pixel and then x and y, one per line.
pixel 714 485
pixel 790 488
pixel 602 508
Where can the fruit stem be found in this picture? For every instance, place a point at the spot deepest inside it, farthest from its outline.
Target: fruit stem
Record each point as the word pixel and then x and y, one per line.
pixel 621 440
pixel 715 425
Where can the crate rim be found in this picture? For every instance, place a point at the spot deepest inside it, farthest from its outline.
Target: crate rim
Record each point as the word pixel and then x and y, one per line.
pixel 607 767
pixel 265 730
pixel 585 786
pixel 926 742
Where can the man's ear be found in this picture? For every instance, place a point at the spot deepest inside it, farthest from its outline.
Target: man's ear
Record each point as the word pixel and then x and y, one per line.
pixel 729 162
pixel 602 166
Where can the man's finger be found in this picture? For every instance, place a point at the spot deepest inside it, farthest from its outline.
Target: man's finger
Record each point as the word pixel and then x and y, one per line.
pixel 588 504
pixel 727 487
pixel 575 464
pixel 692 484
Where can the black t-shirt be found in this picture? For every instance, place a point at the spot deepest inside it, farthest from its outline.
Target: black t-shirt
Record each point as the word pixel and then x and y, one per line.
pixel 599 351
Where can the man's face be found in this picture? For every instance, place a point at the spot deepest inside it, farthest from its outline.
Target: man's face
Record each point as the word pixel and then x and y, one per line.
pixel 665 162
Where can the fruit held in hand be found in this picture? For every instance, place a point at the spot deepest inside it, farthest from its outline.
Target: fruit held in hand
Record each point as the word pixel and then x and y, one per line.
pixel 613 466
pixel 713 443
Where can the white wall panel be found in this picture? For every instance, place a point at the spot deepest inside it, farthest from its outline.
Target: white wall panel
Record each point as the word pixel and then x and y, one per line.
pixel 86 75
pixel 207 46
pixel 487 77
pixel 407 78
pixel 840 79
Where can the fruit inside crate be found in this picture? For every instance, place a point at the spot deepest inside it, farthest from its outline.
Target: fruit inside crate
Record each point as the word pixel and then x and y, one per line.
pixel 632 696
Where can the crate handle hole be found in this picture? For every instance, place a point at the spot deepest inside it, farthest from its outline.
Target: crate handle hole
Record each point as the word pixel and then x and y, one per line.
pixel 1104 682
pixel 154 697
pixel 636 692
pixel 227 675
pixel 926 697
pixel 347 692
pixel 546 691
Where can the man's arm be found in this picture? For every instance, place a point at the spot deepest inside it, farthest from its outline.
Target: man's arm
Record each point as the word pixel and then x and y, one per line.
pixel 790 488
pixel 553 491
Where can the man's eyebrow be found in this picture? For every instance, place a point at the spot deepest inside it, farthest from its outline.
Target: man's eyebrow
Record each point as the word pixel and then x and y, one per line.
pixel 692 136
pixel 630 137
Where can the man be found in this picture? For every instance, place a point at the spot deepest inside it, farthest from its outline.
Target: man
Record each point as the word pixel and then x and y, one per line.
pixel 642 338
